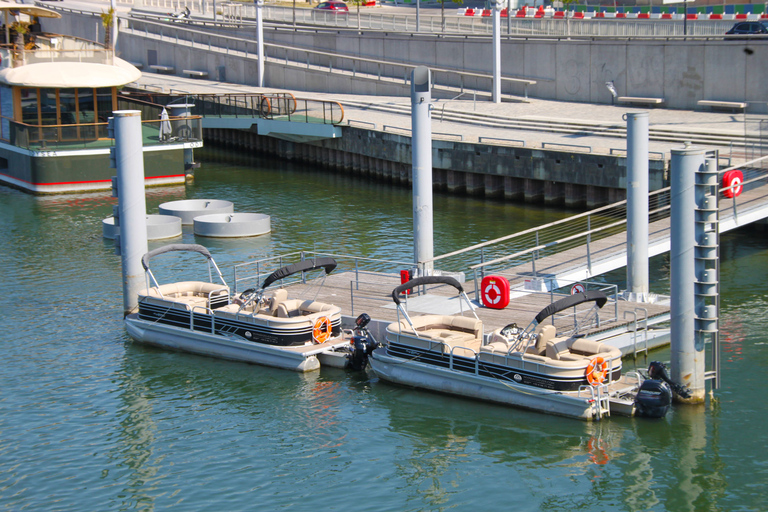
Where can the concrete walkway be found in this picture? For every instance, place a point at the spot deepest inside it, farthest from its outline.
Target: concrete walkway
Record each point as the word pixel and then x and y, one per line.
pixel 537 122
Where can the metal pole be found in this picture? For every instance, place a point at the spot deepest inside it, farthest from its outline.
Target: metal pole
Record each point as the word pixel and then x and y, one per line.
pixel 687 361
pixel 496 92
pixel 260 46
pixel 637 207
pixel 128 157
pixel 418 16
pixel 421 142
pixel 509 17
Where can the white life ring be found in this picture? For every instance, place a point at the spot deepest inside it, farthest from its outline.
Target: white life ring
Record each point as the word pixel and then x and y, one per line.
pixel 733 180
pixel 496 298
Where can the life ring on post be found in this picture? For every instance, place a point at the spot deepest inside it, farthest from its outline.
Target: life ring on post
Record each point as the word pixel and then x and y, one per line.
pixel 322 330
pixel 596 371
pixel 733 180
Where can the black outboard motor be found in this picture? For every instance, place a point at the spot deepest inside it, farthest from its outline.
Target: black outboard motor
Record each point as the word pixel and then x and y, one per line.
pixel 654 397
pixel 362 344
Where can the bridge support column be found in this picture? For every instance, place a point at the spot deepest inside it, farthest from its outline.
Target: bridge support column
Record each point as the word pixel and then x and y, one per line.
pixel 687 358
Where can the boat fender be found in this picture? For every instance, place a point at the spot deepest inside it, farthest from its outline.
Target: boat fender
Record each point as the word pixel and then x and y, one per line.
pixel 322 330
pixel 596 370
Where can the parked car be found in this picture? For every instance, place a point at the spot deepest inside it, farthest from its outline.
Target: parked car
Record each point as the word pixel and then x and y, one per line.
pixel 749 28
pixel 336 6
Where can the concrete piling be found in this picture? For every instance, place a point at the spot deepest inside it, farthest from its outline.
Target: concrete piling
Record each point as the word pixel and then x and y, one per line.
pixel 128 157
pixel 687 359
pixel 421 130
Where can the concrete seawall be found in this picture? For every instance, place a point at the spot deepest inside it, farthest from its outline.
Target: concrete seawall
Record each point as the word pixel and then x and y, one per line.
pixel 514 173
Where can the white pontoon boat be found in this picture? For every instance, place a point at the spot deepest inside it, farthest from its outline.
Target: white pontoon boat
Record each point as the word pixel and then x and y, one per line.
pixel 531 368
pixel 256 326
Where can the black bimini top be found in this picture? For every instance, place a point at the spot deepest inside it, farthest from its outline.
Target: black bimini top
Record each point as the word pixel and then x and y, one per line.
pixel 173 247
pixel 413 283
pixel 577 298
pixel 327 263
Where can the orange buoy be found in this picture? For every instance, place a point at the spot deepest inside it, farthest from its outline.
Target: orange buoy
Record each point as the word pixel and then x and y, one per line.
pixel 322 330
pixel 596 371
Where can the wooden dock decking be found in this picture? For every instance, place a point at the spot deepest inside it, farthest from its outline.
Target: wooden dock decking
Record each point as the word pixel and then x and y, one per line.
pixel 371 293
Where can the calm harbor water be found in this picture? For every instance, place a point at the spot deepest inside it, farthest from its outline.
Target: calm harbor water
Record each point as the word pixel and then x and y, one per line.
pixel 90 421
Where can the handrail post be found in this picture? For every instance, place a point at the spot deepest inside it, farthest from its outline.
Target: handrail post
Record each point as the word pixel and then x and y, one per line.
pixel 589 239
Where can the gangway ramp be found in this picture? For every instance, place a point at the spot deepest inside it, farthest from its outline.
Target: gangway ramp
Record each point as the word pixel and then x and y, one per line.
pixel 592 243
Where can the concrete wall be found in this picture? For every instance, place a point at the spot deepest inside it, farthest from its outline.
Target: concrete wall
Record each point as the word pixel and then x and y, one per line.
pixel 523 174
pixel 681 72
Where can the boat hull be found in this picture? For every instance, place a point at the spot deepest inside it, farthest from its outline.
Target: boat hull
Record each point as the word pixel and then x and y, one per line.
pixel 226 347
pixel 83 170
pixel 444 380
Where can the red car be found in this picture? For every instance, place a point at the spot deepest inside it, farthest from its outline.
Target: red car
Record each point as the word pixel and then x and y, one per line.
pixel 333 5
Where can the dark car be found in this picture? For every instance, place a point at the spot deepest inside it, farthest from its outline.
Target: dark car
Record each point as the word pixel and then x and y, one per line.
pixel 749 28
pixel 334 6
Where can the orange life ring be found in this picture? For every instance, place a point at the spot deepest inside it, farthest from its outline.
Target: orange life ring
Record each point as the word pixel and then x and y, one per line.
pixel 596 371
pixel 733 179
pixel 322 330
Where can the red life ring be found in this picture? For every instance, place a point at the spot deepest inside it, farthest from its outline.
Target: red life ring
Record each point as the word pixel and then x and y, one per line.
pixel 733 179
pixel 322 330
pixel 596 371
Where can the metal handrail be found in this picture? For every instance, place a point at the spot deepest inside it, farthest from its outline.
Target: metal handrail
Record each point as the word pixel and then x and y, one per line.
pixel 233 45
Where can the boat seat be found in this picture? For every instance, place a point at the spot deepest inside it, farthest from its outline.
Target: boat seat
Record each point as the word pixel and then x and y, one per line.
pixel 545 333
pixel 311 306
pixel 278 296
pixel 495 347
pixel 559 349
pixel 283 311
pixel 587 347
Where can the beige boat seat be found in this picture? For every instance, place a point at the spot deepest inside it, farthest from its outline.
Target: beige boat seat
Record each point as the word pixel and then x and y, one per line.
pixel 193 294
pixel 544 334
pixel 278 296
pixel 446 331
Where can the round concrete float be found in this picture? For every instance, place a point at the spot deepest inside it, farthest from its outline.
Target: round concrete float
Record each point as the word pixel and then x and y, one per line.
pixel 158 227
pixel 188 209
pixel 232 225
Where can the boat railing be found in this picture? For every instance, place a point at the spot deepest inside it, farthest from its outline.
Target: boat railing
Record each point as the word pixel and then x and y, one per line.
pixel 599 398
pixel 43 47
pixel 206 311
pixel 54 136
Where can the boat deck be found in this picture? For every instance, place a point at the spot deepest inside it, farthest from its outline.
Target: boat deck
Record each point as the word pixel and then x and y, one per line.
pixel 371 293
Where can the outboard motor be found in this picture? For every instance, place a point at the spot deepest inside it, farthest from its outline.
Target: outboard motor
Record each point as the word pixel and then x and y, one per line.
pixel 655 394
pixel 362 344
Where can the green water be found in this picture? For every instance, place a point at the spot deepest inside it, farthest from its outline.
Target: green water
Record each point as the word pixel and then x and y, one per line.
pixel 90 421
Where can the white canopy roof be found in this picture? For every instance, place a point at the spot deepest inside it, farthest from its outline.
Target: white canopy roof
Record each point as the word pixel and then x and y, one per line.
pixel 71 74
pixel 31 10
